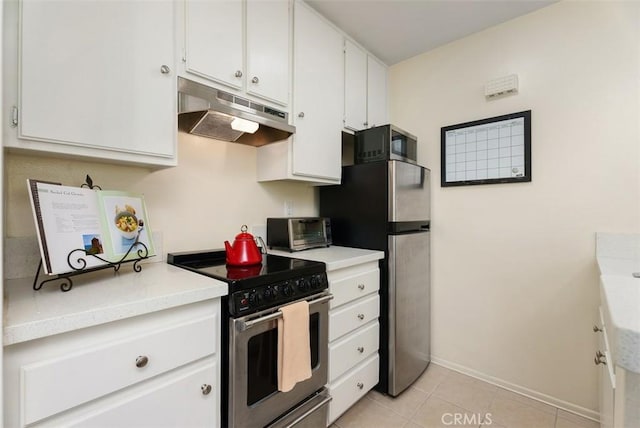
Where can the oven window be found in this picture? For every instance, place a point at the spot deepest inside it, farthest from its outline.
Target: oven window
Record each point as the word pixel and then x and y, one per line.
pixel 262 360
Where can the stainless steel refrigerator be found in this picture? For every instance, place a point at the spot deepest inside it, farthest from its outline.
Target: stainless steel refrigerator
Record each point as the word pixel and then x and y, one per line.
pixel 386 206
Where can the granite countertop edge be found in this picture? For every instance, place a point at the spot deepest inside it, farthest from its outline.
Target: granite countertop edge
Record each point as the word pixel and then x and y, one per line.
pixel 100 298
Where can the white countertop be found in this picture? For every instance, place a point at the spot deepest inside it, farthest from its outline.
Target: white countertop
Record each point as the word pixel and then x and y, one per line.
pixel 618 258
pixel 99 297
pixel 334 257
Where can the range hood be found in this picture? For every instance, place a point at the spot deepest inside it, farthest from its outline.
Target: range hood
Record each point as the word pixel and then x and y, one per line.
pixel 213 113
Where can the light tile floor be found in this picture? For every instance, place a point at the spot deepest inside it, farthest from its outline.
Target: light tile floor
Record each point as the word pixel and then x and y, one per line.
pixel 445 398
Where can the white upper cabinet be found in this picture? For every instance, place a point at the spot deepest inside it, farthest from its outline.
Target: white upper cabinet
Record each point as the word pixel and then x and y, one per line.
pixel 376 93
pixel 365 89
pixel 268 53
pixel 242 44
pixel 215 40
pixel 355 87
pixel 97 79
pixel 319 92
pixel 313 153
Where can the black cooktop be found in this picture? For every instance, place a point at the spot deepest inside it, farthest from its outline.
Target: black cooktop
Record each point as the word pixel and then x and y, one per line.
pixel 276 281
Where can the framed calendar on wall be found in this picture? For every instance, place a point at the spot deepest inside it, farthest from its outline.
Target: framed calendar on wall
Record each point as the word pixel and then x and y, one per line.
pixel 487 151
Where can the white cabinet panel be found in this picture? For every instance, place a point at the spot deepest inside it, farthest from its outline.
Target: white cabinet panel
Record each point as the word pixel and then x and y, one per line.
pixel 353 386
pixel 175 401
pixel 41 381
pixel 214 40
pixel 376 93
pixel 243 45
pixel 349 317
pixel 353 348
pixel 353 287
pixel 355 87
pixel 268 47
pixel 319 92
pixel 98 74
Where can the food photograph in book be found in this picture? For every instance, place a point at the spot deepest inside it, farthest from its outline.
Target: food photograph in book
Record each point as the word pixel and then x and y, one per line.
pixel 127 223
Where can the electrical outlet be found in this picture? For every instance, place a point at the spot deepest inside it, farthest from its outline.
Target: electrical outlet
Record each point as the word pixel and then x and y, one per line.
pixel 288 208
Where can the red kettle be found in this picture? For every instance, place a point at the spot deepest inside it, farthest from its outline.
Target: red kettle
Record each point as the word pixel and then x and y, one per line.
pixel 244 251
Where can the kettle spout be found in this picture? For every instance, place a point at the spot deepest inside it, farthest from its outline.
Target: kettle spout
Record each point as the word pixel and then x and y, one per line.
pixel 228 248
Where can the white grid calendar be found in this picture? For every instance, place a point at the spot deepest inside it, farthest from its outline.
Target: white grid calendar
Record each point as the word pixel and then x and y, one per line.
pixel 490 151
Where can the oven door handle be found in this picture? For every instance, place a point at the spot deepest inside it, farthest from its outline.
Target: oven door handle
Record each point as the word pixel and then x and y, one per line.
pixel 245 325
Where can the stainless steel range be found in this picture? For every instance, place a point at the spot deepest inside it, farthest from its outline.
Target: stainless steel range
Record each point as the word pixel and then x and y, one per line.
pixel 250 338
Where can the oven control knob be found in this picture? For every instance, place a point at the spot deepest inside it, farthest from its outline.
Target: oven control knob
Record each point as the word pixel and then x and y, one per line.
pixel 304 284
pixel 254 298
pixel 269 293
pixel 287 290
pixel 316 281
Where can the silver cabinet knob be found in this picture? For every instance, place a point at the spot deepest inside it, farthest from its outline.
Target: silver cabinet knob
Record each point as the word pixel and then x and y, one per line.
pixel 360 317
pixel 164 69
pixel 366 124
pixel 255 80
pixel 361 286
pixel 301 114
pixel 206 389
pixel 360 385
pixel 600 358
pixel 238 73
pixel 360 349
pixel 142 361
pixel 596 328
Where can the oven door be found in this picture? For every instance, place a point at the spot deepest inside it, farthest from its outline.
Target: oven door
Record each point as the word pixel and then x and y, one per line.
pixel 254 399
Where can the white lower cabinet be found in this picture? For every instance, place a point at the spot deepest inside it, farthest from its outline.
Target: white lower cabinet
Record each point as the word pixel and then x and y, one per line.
pixel 619 389
pixel 353 335
pixel 159 369
pixel 348 389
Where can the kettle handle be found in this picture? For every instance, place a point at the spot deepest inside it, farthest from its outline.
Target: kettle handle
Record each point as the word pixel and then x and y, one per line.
pixel 263 247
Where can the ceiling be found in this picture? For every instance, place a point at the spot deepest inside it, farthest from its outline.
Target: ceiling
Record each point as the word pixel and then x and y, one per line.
pixel 395 30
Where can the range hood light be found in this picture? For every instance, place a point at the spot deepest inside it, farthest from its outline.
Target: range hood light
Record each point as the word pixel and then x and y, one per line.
pixel 239 124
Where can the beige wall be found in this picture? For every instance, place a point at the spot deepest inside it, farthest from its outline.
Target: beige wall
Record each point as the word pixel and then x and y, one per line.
pixel 515 283
pixel 197 205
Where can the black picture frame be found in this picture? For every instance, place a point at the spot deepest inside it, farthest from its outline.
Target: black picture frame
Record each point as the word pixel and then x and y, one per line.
pixel 480 167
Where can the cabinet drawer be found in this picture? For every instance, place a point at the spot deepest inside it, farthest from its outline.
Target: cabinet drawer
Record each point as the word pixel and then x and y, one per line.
pixel 352 387
pixel 353 315
pixel 58 384
pixel 176 399
pixel 347 289
pixel 353 348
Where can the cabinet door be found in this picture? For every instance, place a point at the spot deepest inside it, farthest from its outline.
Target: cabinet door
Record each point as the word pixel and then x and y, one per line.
pixel 355 87
pixel 214 40
pixel 99 74
pixel 376 93
pixel 187 399
pixel 268 56
pixel 319 96
pixel 606 382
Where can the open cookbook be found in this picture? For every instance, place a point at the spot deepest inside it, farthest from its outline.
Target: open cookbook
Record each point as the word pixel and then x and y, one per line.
pixel 97 226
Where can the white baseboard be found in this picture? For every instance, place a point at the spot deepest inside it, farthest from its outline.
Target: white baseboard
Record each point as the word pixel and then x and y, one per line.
pixel 535 395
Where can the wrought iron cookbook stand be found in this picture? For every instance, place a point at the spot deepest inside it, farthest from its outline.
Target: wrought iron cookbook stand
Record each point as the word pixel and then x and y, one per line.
pixel 78 263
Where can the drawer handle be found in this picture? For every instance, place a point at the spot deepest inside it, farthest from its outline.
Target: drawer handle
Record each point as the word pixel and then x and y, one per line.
pixel 600 358
pixel 206 389
pixel 360 385
pixel 360 349
pixel 141 361
pixel 361 286
pixel 596 328
pixel 360 317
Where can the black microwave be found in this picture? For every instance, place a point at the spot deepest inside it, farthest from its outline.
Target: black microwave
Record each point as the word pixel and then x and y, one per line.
pixel 386 142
